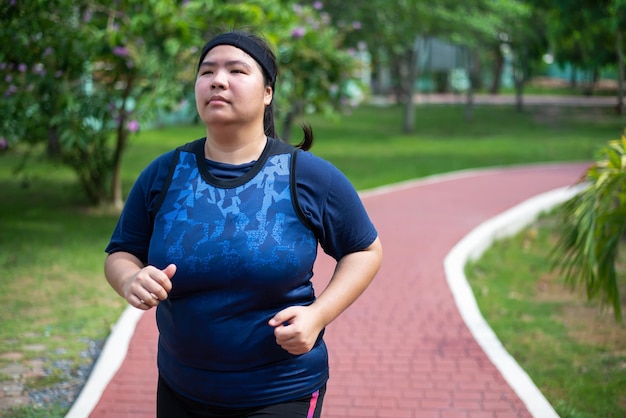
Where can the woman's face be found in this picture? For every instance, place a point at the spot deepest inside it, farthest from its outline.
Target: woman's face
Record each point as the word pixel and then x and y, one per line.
pixel 230 88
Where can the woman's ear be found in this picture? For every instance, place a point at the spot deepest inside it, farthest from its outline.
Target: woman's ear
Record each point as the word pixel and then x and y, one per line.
pixel 269 95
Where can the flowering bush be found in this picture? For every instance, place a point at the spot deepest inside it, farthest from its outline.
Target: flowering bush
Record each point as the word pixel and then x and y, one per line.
pixel 316 73
pixel 77 85
pixel 81 75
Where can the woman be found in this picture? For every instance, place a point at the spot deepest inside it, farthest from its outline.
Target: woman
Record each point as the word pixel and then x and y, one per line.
pixel 221 234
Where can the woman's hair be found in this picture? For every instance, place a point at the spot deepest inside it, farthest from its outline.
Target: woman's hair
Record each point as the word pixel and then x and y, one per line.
pixel 259 49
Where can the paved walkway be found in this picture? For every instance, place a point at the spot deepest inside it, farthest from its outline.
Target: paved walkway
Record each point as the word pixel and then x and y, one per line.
pixel 507 99
pixel 413 345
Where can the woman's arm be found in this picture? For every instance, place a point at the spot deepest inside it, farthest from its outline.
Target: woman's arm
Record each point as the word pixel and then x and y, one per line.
pixel 142 286
pixel 297 327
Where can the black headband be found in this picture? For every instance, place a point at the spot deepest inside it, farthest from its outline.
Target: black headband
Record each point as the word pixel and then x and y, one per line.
pixel 248 45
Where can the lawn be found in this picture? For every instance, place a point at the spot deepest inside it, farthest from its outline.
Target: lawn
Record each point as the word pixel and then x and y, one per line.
pixel 571 347
pixel 55 301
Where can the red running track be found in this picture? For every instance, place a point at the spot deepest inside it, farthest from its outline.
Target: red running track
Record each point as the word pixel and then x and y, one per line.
pixel 402 350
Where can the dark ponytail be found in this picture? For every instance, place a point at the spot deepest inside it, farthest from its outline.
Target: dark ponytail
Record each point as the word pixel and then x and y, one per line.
pixel 270 128
pixel 307 141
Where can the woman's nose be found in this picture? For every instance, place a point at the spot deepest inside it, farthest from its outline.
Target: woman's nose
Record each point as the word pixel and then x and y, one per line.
pixel 219 80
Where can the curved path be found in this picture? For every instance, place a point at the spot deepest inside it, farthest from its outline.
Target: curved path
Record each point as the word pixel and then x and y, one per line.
pixel 414 344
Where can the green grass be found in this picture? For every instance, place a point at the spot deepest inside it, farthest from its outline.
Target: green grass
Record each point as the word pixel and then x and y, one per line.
pixel 372 150
pixel 46 412
pixel 53 292
pixel 571 348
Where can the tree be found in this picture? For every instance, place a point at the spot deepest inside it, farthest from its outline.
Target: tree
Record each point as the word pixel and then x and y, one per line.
pixel 479 25
pixel 589 35
pixel 134 71
pixel 91 66
pixel 523 33
pixel 40 69
pixel 391 34
pixel 98 68
pixel 316 72
pixel 594 223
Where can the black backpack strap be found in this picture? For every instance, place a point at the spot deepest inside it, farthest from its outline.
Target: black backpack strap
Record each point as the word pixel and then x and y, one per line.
pixel 294 190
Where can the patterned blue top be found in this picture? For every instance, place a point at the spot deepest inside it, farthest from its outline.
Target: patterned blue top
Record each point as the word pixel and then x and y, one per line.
pixel 244 240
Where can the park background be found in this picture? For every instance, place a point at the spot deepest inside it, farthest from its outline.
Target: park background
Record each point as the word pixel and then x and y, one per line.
pixel 93 91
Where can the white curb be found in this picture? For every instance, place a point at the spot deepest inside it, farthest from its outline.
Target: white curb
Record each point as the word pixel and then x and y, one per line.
pixel 108 363
pixel 471 247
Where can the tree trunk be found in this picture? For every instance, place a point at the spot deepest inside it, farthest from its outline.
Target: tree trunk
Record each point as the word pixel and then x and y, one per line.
pixel 620 76
pixel 469 102
pixel 519 78
pixel 410 80
pixel 497 71
pixel 116 180
pixel 288 120
pixel 54 142
pixel 477 81
pixel 572 78
pixel 122 137
pixel 473 72
pixel 398 77
pixel 519 95
pixel 408 125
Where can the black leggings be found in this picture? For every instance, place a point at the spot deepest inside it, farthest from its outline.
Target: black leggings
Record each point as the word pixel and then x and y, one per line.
pixel 172 405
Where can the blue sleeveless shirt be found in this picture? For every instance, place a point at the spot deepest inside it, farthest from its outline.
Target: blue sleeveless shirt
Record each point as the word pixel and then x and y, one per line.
pixel 244 251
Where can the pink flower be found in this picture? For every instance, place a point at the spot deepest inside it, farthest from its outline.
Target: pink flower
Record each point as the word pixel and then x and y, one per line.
pixel 10 91
pixel 298 33
pixel 120 51
pixel 356 25
pixel 133 126
pixel 318 5
pixel 4 144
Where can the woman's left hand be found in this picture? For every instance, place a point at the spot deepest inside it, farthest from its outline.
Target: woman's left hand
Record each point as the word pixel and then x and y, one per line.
pixel 296 328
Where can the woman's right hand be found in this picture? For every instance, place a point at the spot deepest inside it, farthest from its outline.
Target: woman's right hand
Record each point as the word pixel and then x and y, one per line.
pixel 142 286
pixel 149 286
